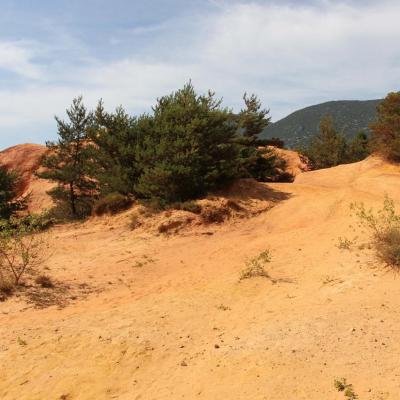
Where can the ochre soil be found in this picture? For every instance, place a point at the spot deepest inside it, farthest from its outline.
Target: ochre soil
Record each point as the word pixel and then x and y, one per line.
pixel 152 316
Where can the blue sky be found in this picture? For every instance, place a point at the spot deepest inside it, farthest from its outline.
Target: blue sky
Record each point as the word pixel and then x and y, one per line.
pixel 291 53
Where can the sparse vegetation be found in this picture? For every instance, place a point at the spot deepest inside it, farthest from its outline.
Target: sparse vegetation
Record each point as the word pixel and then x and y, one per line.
pixel 255 267
pixel 385 227
pixel 22 342
pixel 344 243
pixel 341 385
pixel 21 252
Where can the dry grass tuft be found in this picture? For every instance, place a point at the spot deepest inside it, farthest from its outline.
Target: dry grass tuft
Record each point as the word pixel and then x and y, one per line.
pixel 255 267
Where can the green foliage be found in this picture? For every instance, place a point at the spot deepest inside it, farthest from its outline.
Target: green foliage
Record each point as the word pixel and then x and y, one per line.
pixel 69 162
pixel 31 222
pixel 189 145
pixel 112 204
pixel 116 139
pixel 341 385
pixel 188 148
pixel 253 119
pixel 330 148
pixel 358 148
pixel 386 129
pixel 385 227
pixel 8 182
pixel 21 252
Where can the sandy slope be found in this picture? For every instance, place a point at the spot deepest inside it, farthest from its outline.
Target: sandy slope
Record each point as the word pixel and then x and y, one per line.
pixel 167 318
pixel 25 159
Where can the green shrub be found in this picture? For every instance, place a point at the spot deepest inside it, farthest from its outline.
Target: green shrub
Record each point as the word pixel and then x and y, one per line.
pixel 384 225
pixel 388 248
pixel 22 251
pixel 341 385
pixel 32 222
pixel 112 204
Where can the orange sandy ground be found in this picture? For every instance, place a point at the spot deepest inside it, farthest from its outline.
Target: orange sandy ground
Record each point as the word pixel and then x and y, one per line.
pixel 168 318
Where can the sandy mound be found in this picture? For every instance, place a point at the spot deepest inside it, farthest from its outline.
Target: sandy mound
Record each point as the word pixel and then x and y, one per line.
pixel 295 162
pixel 25 159
pixel 245 198
pixel 167 317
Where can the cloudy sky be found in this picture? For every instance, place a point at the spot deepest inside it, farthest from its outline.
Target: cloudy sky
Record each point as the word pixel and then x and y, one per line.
pixel 291 53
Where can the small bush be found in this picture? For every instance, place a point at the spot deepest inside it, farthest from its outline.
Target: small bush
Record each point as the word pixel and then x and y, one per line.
pixel 385 227
pixel 341 385
pixel 256 266
pixel 388 249
pixel 44 281
pixel 112 204
pixel 33 222
pixel 21 252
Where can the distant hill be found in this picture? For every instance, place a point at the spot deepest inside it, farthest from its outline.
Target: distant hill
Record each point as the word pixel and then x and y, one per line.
pixel 298 127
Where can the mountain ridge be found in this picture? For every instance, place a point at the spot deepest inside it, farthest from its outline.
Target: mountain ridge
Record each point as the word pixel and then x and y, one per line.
pixel 349 116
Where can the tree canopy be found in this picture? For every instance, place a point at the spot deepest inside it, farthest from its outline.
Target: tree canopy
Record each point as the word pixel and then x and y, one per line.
pixel 386 129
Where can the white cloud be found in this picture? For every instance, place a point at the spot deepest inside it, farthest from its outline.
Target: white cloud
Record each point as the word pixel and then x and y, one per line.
pixel 290 55
pixel 16 57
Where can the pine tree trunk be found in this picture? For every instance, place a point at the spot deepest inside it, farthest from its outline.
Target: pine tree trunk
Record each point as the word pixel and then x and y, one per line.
pixel 72 199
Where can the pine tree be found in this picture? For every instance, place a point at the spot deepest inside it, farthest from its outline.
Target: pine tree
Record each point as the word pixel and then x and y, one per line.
pixel 8 182
pixel 328 147
pixel 69 162
pixel 188 148
pixel 386 129
pixel 253 119
pixel 116 139
pixel 359 148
